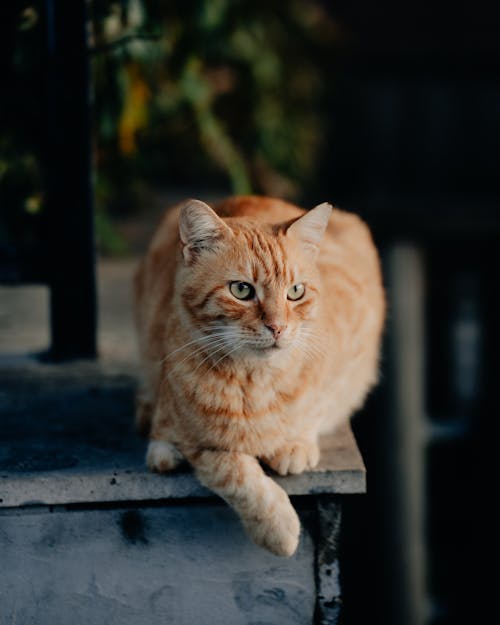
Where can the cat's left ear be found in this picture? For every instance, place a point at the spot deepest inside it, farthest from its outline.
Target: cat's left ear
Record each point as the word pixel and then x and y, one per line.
pixel 200 228
pixel 310 228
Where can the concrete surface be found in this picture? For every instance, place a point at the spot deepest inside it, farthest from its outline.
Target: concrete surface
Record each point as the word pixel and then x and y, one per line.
pixel 153 566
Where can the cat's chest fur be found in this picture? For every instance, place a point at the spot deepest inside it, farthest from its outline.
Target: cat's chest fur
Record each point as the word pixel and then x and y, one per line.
pixel 244 409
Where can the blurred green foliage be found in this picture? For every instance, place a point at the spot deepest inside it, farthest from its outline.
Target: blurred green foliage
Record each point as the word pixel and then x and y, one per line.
pixel 224 93
pixel 199 94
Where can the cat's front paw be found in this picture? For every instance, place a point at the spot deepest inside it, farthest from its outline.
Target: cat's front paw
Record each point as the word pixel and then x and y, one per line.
pixel 162 457
pixel 277 526
pixel 294 457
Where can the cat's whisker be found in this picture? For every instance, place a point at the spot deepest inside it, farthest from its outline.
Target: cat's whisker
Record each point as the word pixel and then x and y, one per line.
pixel 218 342
pixel 203 344
pixel 306 342
pixel 211 355
pixel 238 334
pixel 313 337
pixel 313 351
pixel 241 343
pixel 305 351
pixel 193 341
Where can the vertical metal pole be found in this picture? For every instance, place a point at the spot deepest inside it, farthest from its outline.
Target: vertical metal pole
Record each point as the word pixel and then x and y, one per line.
pixel 405 440
pixel 70 223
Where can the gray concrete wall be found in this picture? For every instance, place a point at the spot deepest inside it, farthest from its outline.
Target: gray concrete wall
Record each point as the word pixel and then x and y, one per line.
pixel 156 566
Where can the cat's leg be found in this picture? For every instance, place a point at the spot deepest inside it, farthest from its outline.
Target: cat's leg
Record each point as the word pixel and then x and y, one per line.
pixel 144 408
pixel 162 456
pixel 145 403
pixel 146 398
pixel 264 507
pixel 294 456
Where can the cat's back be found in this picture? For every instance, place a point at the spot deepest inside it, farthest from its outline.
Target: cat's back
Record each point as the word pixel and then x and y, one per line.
pixel 345 230
pixel 258 209
pixel 348 245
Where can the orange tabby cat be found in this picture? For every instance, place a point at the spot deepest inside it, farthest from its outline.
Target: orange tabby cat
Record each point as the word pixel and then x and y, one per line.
pixel 259 328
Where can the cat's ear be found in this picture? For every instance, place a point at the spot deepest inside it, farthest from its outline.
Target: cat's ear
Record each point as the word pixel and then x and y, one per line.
pixel 310 228
pixel 200 228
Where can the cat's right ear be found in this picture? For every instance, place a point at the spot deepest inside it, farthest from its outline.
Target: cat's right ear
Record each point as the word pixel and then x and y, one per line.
pixel 200 228
pixel 310 228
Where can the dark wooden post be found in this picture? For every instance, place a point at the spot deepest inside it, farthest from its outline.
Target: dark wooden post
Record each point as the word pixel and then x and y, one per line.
pixel 70 232
pixel 329 600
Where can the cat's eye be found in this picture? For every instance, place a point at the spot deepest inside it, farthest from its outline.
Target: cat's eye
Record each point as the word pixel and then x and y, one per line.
pixel 242 290
pixel 296 291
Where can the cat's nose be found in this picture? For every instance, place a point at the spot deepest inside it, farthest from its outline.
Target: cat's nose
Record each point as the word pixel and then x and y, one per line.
pixel 276 328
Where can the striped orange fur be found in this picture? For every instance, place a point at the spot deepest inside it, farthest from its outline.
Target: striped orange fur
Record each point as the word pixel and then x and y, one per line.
pixel 235 369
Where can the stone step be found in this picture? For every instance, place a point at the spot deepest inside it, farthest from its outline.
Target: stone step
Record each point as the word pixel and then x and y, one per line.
pixel 88 535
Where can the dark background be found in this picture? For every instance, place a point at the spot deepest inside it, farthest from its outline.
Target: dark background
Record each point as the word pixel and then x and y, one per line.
pixel 416 127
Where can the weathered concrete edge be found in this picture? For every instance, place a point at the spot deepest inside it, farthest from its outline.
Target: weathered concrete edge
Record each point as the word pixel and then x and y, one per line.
pixel 50 489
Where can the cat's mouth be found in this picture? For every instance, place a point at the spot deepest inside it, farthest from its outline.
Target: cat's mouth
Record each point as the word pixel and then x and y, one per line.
pixel 270 347
pixel 262 349
pixel 259 345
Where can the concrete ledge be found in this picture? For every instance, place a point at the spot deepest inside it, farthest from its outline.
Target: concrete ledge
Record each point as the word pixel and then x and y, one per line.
pixel 68 437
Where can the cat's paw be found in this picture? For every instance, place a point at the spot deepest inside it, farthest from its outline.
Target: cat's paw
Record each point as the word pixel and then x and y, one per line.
pixel 162 456
pixel 294 457
pixel 279 529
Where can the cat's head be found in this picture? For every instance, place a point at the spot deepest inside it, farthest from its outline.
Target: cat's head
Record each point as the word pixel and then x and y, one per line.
pixel 247 286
